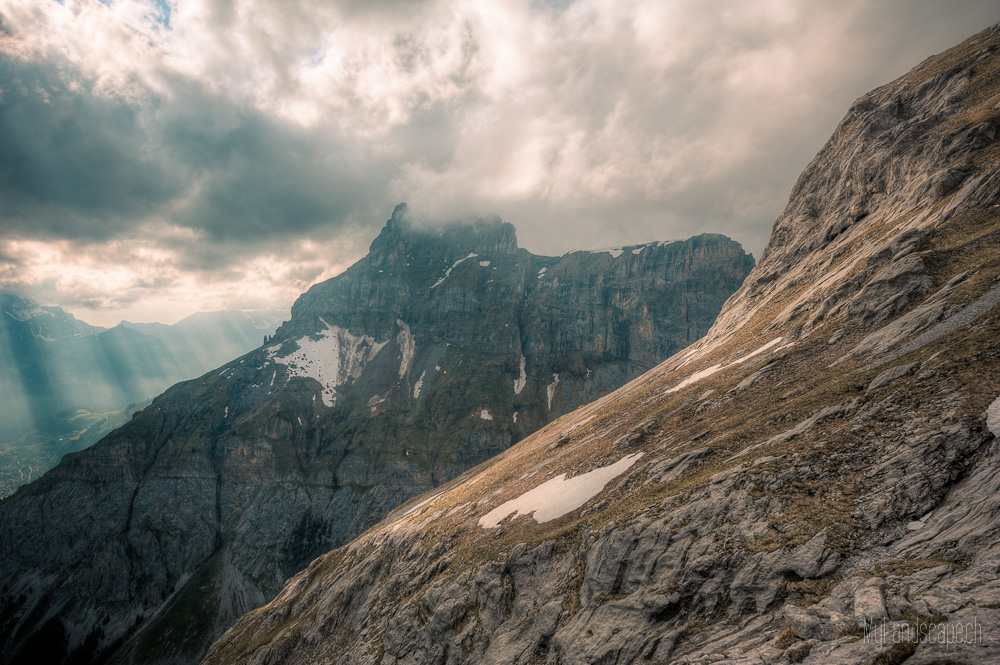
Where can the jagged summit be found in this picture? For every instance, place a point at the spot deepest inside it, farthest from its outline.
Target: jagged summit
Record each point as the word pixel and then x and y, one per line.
pixel 817 480
pixel 402 241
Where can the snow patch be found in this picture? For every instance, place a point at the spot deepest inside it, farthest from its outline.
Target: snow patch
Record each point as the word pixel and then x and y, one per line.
pixel 418 385
pixel 688 356
pixel 709 371
pixel 515 417
pixel 407 346
pixel 484 263
pixel 485 414
pixel 374 401
pixel 521 380
pixel 332 357
pixel 993 417
pixel 550 389
pixel 638 249
pixel 615 252
pixel 225 414
pixel 558 496
pixel 25 313
pixel 542 272
pixel 447 273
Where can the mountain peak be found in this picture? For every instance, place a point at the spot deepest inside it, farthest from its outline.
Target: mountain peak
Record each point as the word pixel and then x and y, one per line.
pixel 399 216
pixel 403 240
pixel 46 322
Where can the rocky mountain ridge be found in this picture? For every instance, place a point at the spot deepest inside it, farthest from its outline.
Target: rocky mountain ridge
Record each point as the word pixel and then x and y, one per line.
pixel 814 481
pixel 435 352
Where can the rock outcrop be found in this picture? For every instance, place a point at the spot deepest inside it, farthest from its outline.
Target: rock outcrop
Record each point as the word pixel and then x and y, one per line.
pixel 434 353
pixel 815 481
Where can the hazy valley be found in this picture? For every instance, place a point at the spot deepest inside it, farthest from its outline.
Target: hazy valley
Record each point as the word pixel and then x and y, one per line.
pixel 64 383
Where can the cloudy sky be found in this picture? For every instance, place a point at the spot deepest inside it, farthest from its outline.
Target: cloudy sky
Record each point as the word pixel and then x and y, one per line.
pixel 163 157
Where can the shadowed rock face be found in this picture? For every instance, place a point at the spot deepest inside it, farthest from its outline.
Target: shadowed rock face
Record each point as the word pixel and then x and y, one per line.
pixel 437 351
pixel 826 456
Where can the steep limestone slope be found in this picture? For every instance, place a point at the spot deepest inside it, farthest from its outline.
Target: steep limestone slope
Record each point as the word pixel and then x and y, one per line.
pixel 826 456
pixel 435 352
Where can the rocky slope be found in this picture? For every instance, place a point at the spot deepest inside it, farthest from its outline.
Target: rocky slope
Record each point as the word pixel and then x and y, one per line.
pixel 53 366
pixel 826 456
pixel 435 352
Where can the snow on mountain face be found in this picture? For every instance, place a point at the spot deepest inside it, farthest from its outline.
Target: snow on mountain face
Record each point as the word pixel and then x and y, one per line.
pixel 25 314
pixel 823 461
pixel 447 273
pixel 44 323
pixel 331 357
pixel 709 371
pixel 558 496
pixel 407 347
pixel 522 378
pixel 550 390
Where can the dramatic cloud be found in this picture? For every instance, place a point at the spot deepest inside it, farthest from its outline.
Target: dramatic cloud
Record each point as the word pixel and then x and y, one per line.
pixel 162 157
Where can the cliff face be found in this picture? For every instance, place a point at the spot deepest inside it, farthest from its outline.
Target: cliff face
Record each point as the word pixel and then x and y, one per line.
pixel 437 351
pixel 823 462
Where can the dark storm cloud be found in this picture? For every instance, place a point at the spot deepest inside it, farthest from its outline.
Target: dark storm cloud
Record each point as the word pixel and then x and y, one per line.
pixel 85 166
pixel 263 179
pixel 73 164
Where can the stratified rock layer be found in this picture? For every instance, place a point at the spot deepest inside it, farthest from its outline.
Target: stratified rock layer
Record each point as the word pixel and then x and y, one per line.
pixel 437 351
pixel 818 479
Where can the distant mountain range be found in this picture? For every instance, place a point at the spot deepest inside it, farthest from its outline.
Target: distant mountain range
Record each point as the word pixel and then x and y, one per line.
pixel 55 368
